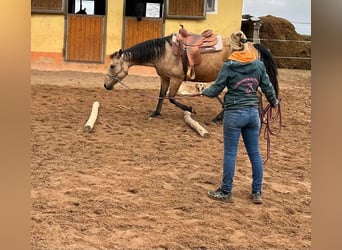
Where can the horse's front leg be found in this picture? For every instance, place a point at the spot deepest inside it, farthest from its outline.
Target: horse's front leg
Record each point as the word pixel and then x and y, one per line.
pixel 164 85
pixel 173 90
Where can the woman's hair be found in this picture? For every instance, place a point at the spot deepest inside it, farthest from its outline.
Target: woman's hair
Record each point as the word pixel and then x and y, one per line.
pixel 237 40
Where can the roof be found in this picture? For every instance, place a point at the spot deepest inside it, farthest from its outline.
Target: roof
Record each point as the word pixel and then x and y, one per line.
pixel 248 17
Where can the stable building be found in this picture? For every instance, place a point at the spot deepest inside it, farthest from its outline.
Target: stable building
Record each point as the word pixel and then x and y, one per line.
pixel 83 33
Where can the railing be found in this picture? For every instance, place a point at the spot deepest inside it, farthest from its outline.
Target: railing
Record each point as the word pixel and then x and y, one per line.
pixel 289 55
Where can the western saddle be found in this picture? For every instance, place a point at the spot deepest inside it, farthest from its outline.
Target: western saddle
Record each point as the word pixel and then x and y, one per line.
pixel 190 46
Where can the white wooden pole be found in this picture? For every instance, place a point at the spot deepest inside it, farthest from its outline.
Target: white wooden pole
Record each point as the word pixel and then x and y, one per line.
pixel 92 118
pixel 195 125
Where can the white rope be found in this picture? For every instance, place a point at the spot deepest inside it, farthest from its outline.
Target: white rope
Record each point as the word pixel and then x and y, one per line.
pixel 292 57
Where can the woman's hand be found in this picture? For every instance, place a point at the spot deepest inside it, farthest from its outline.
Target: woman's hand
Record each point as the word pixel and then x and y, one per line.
pixel 274 105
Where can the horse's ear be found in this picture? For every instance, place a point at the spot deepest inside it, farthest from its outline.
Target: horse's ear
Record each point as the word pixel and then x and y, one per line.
pixel 116 54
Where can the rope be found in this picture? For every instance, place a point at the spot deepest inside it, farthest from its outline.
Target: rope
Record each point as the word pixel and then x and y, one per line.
pixel 293 57
pixel 159 97
pixel 266 117
pixel 283 40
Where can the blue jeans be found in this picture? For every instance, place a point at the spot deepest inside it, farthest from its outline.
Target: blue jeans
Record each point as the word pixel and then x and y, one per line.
pixel 244 121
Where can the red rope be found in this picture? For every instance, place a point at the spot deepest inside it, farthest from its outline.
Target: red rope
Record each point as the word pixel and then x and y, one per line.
pixel 159 97
pixel 266 117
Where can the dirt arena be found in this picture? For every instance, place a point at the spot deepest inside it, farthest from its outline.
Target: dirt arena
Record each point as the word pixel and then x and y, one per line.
pixel 140 183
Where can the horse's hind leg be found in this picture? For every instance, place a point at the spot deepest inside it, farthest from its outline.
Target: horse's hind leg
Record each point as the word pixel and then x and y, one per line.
pixel 164 85
pixel 218 118
pixel 174 87
pixel 260 106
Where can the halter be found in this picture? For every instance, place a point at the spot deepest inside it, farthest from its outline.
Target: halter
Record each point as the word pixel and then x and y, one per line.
pixel 121 70
pixel 114 77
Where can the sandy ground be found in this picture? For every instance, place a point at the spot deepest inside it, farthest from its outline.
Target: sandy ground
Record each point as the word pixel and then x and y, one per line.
pixel 140 183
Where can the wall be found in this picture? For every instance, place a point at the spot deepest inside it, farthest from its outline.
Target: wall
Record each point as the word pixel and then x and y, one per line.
pixel 47 33
pixel 114 25
pixel 47 40
pixel 226 21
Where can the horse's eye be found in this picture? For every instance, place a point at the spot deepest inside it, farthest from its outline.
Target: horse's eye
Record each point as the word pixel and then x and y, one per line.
pixel 112 66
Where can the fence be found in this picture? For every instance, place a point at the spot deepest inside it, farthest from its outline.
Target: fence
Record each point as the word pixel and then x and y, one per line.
pixel 291 54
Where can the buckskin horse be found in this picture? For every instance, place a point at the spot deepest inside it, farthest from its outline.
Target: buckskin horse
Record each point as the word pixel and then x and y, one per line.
pixel 172 67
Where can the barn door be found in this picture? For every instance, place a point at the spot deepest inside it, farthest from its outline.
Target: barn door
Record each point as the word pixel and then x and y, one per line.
pixel 85 32
pixel 143 21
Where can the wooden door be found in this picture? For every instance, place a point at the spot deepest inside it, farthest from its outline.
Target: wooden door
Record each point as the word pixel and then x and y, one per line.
pixel 85 38
pixel 147 28
pixel 143 21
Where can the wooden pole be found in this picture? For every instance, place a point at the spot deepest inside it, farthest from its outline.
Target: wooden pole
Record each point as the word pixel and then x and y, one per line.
pixel 195 125
pixel 92 118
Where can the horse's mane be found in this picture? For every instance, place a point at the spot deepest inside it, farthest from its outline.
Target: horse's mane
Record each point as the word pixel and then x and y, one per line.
pixel 270 64
pixel 148 50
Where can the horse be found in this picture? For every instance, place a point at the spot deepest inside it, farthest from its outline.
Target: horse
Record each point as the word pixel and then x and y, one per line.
pixel 158 53
pixel 139 10
pixel 82 11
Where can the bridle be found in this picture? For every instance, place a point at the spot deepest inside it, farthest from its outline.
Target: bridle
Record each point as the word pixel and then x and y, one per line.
pixel 121 70
pixel 115 77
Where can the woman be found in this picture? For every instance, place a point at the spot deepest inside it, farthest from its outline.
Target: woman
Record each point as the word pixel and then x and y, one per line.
pixel 242 74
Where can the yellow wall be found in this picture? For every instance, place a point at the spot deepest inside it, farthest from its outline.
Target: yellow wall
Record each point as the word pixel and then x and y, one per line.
pixel 226 21
pixel 47 33
pixel 114 26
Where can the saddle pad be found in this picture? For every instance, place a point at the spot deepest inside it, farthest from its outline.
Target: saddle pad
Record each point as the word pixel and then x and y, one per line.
pixel 217 47
pixel 174 37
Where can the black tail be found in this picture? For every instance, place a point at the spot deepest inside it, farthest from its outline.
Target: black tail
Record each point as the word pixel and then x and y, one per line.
pixel 270 64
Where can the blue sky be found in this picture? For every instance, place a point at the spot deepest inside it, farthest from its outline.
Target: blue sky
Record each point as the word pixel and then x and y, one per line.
pixel 298 12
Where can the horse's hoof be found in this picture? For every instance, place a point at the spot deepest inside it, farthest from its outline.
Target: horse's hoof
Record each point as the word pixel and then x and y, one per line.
pixel 216 121
pixel 191 110
pixel 155 114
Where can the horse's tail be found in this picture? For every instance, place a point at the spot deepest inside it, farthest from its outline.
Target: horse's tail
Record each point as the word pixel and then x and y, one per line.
pixel 270 64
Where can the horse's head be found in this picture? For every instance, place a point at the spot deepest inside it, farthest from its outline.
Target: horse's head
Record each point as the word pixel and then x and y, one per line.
pixel 118 70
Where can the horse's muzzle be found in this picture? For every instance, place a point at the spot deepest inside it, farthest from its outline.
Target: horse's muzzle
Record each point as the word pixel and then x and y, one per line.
pixel 108 88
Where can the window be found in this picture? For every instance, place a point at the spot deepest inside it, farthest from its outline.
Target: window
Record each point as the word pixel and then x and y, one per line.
pixel 153 10
pixel 144 8
pixel 84 7
pixel 87 7
pixel 44 6
pixel 191 9
pixel 212 6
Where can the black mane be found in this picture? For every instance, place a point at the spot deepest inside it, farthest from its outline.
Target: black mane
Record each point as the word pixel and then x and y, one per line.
pixel 148 50
pixel 270 64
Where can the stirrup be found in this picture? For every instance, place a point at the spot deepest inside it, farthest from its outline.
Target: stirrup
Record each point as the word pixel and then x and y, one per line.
pixel 191 73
